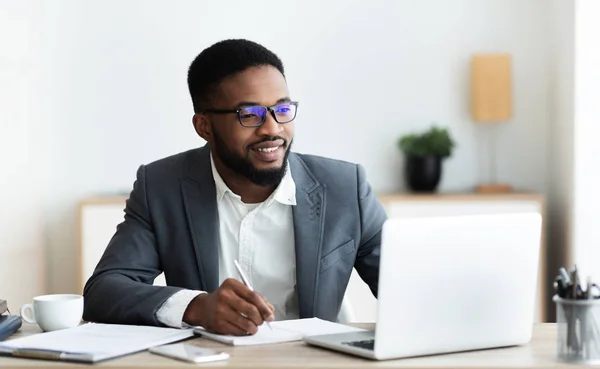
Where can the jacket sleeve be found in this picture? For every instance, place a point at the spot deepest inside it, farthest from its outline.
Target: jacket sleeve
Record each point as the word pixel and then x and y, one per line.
pixel 372 217
pixel 120 290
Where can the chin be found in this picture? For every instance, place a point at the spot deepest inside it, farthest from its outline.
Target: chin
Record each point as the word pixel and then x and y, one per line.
pixel 270 165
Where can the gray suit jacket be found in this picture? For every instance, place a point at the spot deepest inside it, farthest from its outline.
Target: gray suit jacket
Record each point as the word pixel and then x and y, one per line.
pixel 171 224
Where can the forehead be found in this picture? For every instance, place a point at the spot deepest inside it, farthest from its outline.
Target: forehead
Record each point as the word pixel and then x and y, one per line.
pixel 264 85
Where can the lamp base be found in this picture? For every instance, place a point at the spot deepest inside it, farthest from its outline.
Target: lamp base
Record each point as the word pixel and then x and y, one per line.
pixel 494 188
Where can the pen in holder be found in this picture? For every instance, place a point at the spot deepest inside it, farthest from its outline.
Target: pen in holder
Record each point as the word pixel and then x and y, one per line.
pixel 578 330
pixel 577 318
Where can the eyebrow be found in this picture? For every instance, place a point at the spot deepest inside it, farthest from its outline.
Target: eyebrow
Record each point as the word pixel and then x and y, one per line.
pixel 250 103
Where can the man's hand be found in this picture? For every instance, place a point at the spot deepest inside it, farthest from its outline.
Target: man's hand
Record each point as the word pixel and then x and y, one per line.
pixel 232 309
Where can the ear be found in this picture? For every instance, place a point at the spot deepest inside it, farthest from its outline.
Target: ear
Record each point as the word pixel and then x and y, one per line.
pixel 202 126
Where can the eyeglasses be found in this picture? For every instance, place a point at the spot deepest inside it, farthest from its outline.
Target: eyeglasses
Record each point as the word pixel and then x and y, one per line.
pixel 255 115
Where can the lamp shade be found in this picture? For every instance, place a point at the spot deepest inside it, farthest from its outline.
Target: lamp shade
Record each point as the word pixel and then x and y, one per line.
pixel 491 99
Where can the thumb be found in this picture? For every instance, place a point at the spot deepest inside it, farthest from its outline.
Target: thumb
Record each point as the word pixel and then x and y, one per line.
pixel 271 307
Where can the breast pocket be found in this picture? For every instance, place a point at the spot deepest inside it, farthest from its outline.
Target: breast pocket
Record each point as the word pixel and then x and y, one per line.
pixel 337 254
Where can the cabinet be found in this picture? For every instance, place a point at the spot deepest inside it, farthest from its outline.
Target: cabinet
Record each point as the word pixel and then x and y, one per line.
pixel 98 220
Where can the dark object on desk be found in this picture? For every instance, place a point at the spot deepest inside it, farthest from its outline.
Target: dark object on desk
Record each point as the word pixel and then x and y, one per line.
pixel 568 286
pixel 9 324
pixel 578 310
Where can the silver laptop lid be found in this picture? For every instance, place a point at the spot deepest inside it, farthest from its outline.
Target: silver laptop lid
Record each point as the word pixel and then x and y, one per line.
pixel 456 283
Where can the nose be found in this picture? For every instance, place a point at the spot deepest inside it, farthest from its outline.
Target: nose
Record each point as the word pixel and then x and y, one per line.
pixel 270 127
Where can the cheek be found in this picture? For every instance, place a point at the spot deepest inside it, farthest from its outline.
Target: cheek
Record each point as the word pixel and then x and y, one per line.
pixel 289 130
pixel 241 140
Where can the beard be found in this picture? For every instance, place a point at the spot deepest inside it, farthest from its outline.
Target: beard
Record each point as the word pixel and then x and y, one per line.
pixel 242 165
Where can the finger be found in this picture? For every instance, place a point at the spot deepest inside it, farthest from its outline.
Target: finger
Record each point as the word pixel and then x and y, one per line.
pixel 262 305
pixel 240 322
pixel 271 317
pixel 271 307
pixel 232 299
pixel 231 329
pixel 234 284
pixel 254 298
pixel 250 311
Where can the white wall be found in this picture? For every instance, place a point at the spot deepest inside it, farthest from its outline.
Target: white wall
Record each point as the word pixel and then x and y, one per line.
pixel 365 72
pixel 22 250
pixel 586 197
pixel 574 150
pixel 561 143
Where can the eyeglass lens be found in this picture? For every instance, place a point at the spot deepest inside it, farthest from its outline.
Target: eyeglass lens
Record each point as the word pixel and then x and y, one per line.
pixel 252 116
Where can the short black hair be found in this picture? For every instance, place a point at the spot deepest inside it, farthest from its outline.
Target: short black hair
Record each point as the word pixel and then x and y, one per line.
pixel 222 60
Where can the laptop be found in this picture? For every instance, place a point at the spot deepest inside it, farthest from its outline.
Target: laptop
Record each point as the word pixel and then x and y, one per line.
pixel 450 284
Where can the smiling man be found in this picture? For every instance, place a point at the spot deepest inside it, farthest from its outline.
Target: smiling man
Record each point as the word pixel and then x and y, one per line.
pixel 296 224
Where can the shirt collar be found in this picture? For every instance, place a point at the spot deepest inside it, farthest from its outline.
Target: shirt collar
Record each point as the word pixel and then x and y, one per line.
pixel 285 193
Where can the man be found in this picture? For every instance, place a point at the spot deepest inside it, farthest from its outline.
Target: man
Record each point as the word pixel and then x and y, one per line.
pixel 297 224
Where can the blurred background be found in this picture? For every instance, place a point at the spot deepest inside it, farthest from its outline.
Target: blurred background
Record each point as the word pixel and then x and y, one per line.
pixel 89 90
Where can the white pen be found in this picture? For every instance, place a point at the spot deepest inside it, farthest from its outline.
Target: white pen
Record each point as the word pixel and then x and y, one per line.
pixel 246 282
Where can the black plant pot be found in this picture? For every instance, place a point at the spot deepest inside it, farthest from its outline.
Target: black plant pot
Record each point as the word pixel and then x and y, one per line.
pixel 423 173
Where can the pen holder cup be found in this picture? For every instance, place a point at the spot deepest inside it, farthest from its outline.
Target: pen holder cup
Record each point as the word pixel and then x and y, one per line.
pixel 578 323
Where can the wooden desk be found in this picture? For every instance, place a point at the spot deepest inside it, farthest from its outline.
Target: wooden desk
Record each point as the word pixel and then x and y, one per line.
pixel 539 353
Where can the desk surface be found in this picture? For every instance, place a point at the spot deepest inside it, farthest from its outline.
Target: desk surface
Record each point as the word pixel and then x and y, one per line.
pixel 539 353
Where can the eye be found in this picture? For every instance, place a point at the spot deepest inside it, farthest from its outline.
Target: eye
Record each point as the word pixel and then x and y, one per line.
pixel 283 109
pixel 251 112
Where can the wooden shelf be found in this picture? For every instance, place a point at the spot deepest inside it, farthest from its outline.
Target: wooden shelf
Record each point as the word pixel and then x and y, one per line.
pixel 459 196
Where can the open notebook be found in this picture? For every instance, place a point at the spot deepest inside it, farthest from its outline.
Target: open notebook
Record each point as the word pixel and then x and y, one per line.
pixel 283 331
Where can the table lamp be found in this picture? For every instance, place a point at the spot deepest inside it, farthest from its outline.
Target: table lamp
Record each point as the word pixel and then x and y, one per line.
pixel 491 104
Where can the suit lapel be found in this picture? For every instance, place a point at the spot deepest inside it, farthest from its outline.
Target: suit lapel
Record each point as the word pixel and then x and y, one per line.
pixel 308 234
pixel 200 201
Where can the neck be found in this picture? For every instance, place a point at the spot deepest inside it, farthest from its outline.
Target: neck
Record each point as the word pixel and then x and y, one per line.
pixel 250 192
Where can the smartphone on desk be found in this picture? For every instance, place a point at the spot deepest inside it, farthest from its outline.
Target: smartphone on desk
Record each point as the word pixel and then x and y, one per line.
pixel 190 353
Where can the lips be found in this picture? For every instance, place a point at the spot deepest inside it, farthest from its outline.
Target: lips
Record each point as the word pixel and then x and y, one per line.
pixel 268 144
pixel 268 151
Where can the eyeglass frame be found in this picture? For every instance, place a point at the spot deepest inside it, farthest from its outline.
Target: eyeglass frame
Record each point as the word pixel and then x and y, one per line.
pixel 269 109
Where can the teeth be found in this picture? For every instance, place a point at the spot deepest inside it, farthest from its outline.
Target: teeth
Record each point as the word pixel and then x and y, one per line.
pixel 268 149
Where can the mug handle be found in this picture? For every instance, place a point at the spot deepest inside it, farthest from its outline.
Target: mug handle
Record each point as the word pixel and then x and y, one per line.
pixel 30 320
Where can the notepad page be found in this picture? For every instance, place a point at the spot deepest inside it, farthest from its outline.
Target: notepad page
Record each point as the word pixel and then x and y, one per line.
pixel 314 327
pixel 101 340
pixel 264 336
pixel 283 331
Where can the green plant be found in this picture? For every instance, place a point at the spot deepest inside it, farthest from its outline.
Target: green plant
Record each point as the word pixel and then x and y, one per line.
pixel 433 142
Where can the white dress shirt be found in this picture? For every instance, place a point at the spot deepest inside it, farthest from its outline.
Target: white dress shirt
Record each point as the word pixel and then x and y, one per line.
pixel 261 237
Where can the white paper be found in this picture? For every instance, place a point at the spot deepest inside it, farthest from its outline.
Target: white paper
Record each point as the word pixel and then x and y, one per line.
pixel 264 336
pixel 314 327
pixel 283 331
pixel 100 341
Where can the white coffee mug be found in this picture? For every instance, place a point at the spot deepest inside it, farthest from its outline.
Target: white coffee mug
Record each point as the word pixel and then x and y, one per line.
pixel 54 312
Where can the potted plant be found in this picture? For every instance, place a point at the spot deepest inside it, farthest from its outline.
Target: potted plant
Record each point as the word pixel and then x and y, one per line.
pixel 424 153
